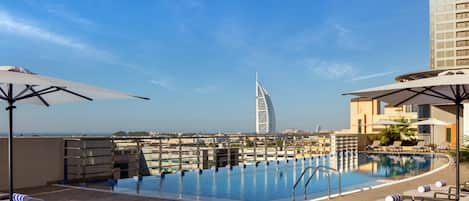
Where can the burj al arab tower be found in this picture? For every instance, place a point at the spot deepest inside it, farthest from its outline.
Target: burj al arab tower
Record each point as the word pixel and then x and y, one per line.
pixel 265 114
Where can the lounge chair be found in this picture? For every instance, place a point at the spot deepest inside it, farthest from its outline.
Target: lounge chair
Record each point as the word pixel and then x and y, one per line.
pixel 414 198
pixel 375 146
pixel 430 194
pixel 439 193
pixel 442 147
pixel 396 146
pixel 451 193
pixel 421 146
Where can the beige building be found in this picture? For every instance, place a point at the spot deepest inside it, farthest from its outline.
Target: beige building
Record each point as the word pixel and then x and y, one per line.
pixel 449 33
pixel 364 111
pixel 449 50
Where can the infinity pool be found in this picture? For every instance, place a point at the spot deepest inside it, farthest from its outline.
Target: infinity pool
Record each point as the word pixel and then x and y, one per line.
pixel 274 181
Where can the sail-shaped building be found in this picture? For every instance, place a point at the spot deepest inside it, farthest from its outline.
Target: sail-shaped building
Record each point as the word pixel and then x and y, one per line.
pixel 265 114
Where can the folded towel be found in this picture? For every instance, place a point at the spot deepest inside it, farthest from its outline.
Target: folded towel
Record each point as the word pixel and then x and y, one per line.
pixel 18 197
pixel 394 197
pixel 440 184
pixel 423 189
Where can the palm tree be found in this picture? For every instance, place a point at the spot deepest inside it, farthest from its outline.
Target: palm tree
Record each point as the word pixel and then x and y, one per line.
pixel 399 132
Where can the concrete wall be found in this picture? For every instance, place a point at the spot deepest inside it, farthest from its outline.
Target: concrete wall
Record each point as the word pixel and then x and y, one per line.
pixel 445 113
pixel 37 161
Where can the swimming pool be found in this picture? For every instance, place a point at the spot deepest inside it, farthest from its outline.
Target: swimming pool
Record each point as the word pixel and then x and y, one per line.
pixel 274 181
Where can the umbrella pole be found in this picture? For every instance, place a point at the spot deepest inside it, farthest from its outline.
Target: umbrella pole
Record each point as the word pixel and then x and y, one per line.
pixel 10 150
pixel 458 114
pixel 432 138
pixel 10 140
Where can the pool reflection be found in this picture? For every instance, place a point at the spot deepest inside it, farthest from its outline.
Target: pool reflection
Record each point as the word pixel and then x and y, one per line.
pixel 274 181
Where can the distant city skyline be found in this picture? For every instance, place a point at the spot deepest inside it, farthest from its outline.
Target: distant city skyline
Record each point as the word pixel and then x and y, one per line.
pixel 195 59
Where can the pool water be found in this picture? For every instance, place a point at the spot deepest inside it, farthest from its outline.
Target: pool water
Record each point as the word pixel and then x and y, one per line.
pixel 274 181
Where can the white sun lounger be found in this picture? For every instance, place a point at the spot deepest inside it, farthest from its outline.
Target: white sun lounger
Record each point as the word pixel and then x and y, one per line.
pixel 396 146
pixel 446 192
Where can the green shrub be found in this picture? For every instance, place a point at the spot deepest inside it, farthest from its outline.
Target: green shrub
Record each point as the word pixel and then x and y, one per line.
pixel 463 154
pixel 404 133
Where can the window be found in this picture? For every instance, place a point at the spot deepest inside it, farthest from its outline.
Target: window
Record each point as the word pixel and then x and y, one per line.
pixel 449 35
pixel 461 24
pixel 448 135
pixel 423 111
pixel 449 62
pixel 462 6
pixel 411 108
pixel 462 15
pixel 445 17
pixel 462 62
pixel 461 34
pixel 448 25
pixel 449 53
pixel 462 52
pixel 423 129
pixel 450 44
pixel 359 126
pixel 462 43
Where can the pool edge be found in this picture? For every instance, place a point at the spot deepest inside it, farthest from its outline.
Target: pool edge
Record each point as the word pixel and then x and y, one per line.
pixel 450 160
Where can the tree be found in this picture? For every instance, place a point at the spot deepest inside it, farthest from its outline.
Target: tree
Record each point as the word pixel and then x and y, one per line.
pixel 404 133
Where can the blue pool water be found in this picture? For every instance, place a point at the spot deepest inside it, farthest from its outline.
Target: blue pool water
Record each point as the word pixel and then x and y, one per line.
pixel 274 181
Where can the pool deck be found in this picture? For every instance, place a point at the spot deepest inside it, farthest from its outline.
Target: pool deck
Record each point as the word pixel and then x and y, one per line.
pixel 447 174
pixel 58 193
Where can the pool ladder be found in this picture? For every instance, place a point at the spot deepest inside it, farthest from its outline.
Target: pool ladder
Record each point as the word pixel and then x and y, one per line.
pixel 328 171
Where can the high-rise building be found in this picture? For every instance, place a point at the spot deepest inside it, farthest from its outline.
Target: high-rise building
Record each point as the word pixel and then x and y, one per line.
pixel 265 114
pixel 449 49
pixel 449 34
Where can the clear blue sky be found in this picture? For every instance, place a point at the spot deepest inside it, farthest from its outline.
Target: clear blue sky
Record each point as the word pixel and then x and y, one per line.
pixel 197 59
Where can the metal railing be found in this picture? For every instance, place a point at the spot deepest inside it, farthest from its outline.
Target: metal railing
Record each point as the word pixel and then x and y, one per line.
pixel 328 172
pixel 165 153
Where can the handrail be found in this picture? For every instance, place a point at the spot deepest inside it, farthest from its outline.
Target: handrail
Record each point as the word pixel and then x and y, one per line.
pixel 328 180
pixel 299 178
pixel 329 169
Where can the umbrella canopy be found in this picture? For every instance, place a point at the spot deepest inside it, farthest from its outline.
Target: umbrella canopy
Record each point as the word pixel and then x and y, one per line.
pixel 443 89
pixel 431 122
pixel 449 87
pixel 32 88
pixel 19 85
pixel 386 122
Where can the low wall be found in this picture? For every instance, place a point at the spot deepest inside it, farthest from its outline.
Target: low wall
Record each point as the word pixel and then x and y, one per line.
pixel 37 161
pixel 364 140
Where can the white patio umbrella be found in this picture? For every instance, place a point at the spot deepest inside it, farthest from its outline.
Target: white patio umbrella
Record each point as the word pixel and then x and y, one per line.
pixel 18 85
pixel 431 122
pixel 446 88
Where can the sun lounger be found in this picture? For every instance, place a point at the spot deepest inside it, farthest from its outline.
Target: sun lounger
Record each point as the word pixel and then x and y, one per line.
pixel 414 198
pixel 442 147
pixel 445 192
pixel 421 146
pixel 429 194
pixel 396 146
pixel 375 146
